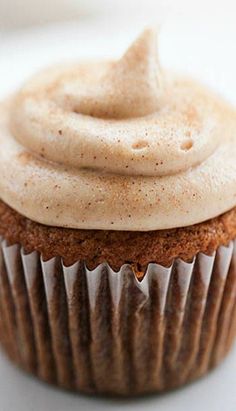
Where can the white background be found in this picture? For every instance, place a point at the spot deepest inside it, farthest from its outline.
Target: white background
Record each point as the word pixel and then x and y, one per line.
pixel 198 37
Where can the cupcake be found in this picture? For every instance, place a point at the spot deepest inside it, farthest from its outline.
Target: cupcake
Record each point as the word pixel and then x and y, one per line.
pixel 117 225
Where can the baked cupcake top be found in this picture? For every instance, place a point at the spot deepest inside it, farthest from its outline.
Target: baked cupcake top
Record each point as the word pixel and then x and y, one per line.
pixel 117 145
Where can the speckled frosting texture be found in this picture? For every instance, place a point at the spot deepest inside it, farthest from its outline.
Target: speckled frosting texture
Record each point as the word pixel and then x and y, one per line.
pixel 117 145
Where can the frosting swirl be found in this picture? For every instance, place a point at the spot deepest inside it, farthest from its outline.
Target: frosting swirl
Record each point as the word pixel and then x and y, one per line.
pixel 117 145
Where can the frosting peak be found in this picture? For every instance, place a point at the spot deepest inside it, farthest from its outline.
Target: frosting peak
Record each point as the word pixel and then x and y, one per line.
pixel 130 87
pixel 103 145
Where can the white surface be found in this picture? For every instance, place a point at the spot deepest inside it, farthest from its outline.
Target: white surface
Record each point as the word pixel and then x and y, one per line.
pixel 187 43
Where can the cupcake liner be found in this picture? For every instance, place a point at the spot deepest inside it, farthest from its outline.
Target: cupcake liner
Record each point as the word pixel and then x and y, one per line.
pixel 107 332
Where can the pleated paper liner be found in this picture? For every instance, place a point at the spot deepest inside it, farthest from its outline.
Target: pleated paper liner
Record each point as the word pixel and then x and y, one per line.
pixel 102 331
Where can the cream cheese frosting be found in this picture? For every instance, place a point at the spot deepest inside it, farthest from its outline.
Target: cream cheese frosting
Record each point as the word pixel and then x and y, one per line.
pixel 117 145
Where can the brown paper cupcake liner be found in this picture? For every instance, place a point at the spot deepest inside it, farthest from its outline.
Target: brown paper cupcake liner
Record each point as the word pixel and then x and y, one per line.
pixel 102 331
